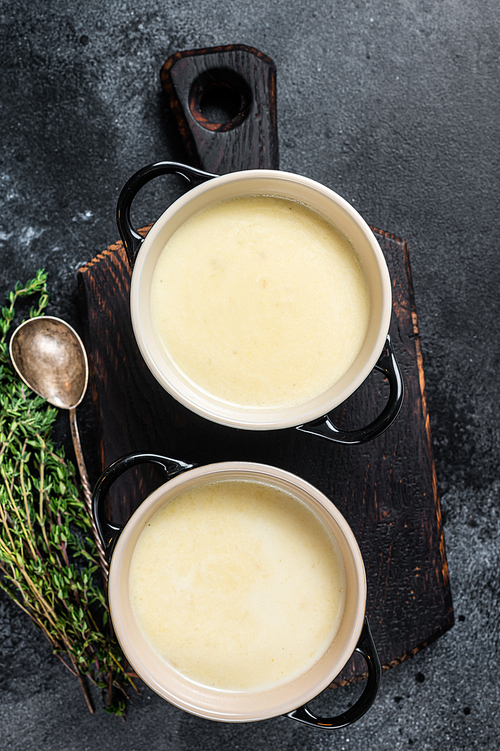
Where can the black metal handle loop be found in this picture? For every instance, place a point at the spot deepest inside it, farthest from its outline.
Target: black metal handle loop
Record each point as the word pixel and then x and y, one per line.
pixel 109 532
pixel 366 648
pixel 132 240
pixel 388 365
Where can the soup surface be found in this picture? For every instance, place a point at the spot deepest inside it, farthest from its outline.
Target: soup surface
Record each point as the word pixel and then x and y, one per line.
pixel 260 301
pixel 237 585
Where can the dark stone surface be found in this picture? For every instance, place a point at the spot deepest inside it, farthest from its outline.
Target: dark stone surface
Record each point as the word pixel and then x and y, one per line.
pixel 395 105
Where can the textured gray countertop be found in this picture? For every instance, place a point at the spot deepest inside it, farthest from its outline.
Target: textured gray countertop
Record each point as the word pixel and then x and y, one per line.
pixel 396 106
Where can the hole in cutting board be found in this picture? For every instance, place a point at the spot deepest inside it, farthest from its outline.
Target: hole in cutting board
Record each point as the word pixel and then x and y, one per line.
pixel 220 99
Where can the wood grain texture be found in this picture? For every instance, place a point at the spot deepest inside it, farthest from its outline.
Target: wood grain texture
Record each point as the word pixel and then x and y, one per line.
pixel 386 489
pixel 249 140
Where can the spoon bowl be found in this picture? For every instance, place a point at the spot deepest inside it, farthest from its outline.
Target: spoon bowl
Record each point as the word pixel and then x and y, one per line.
pixel 50 358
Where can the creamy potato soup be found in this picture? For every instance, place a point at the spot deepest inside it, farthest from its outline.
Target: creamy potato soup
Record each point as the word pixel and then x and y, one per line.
pixel 260 301
pixel 237 585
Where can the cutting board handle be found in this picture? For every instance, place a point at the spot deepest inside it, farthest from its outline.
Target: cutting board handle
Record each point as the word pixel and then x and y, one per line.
pixel 224 102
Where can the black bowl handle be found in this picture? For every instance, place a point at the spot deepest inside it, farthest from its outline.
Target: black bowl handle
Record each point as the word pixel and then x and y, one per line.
pixel 109 532
pixel 366 648
pixel 388 365
pixel 132 240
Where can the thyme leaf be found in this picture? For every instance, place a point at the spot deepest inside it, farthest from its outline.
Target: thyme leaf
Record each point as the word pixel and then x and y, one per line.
pixel 49 564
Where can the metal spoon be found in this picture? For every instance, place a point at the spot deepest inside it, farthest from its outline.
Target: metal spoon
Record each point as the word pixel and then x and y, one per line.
pixel 50 358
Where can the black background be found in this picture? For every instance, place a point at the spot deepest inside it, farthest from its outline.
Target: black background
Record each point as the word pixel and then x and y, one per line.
pixel 396 106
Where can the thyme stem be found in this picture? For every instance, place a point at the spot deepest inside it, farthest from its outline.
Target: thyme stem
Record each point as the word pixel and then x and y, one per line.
pixel 49 562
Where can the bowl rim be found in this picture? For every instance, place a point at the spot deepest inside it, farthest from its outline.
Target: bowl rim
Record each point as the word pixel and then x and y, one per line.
pixel 213 703
pixel 197 399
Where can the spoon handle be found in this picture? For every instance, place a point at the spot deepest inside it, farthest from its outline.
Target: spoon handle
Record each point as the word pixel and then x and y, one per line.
pixel 87 491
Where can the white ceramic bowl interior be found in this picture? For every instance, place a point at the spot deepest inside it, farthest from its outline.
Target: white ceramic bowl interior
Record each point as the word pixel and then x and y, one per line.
pixel 275 183
pixel 230 706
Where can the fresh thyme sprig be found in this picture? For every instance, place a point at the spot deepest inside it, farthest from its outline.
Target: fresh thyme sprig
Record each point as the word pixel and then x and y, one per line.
pixel 48 560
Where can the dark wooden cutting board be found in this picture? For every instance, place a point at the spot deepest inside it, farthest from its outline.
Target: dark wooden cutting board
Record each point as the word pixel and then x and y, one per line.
pixel 386 489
